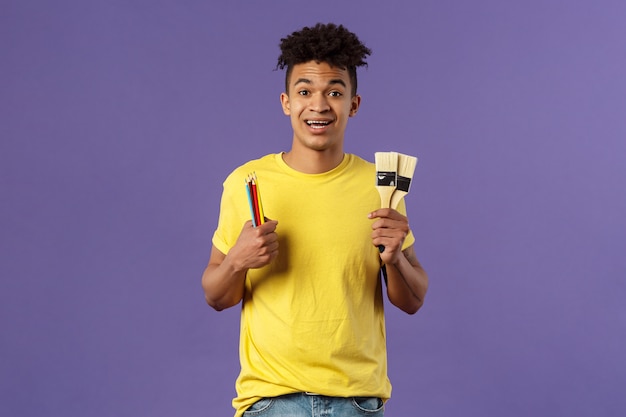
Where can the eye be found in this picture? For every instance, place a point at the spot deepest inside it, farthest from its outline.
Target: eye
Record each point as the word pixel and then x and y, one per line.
pixel 303 92
pixel 335 94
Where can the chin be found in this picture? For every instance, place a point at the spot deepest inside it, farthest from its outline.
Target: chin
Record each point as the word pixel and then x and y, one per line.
pixel 320 142
pixel 320 147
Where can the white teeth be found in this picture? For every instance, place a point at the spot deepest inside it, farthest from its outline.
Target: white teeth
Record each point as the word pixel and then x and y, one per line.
pixel 317 123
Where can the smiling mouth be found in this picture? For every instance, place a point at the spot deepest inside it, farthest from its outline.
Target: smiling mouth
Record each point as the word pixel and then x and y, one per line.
pixel 318 124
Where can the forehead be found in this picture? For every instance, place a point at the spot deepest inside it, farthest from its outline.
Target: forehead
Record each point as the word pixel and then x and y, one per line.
pixel 318 72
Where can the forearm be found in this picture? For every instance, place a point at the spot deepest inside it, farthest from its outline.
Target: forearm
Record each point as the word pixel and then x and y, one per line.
pixel 407 282
pixel 224 278
pixel 223 284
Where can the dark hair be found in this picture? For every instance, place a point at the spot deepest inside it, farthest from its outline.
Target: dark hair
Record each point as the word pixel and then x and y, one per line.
pixel 329 43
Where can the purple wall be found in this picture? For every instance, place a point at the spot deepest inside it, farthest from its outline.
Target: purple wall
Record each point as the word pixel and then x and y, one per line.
pixel 120 119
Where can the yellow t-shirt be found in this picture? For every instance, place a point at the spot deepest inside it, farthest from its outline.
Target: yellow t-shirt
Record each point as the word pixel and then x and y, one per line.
pixel 312 320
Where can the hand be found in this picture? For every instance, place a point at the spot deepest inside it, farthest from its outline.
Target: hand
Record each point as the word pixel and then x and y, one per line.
pixel 255 246
pixel 389 231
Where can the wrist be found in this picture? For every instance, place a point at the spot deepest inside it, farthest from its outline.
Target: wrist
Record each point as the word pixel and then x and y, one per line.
pixel 233 265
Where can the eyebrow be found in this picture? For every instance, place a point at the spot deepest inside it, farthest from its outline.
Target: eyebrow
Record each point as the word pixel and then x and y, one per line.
pixel 331 82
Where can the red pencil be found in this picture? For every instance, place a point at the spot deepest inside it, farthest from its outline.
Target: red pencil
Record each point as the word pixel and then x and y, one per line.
pixel 258 198
pixel 255 202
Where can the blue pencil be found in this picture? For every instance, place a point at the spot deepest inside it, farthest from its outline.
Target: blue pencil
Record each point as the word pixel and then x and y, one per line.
pixel 249 193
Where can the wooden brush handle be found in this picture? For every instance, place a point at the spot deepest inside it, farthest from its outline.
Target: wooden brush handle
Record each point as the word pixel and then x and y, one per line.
pixel 385 196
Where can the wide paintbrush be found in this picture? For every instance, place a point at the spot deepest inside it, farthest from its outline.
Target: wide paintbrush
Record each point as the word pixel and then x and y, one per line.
pixel 406 168
pixel 386 178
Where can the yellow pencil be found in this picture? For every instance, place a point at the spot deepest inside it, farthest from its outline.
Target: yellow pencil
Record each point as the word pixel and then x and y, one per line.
pixel 258 197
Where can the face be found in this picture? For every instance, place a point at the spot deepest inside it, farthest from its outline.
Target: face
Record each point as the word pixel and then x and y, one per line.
pixel 319 103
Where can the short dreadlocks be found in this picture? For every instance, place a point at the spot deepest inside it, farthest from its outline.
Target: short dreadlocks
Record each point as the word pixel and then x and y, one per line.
pixel 329 43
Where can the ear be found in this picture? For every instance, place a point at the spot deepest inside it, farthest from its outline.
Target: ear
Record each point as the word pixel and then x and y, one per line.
pixel 284 101
pixel 354 105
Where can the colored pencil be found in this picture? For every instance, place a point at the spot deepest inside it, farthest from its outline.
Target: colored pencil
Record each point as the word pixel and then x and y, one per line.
pixel 250 203
pixel 255 201
pixel 259 201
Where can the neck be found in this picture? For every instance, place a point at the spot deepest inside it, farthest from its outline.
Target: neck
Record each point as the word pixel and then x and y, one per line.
pixel 309 161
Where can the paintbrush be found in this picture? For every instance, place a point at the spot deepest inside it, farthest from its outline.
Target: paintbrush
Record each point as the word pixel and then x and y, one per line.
pixel 406 168
pixel 386 177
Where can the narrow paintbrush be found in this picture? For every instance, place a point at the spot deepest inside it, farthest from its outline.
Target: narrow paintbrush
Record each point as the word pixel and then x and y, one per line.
pixel 386 178
pixel 406 168
pixel 386 175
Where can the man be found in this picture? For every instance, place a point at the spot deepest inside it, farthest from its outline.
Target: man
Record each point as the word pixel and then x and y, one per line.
pixel 312 324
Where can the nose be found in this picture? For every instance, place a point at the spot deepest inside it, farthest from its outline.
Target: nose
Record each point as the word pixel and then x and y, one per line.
pixel 319 103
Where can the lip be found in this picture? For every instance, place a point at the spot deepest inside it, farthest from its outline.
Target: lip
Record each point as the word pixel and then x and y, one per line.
pixel 318 125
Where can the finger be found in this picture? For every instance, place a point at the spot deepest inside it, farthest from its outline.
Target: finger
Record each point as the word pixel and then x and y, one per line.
pixel 396 234
pixel 378 213
pixel 273 249
pixel 387 213
pixel 387 239
pixel 386 246
pixel 389 227
pixel 268 227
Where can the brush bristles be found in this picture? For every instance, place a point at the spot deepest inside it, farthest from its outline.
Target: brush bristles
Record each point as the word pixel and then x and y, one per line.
pixel 406 165
pixel 386 161
pixel 405 170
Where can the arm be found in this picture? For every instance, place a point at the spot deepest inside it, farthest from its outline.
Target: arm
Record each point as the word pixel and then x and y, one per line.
pixel 407 282
pixel 224 277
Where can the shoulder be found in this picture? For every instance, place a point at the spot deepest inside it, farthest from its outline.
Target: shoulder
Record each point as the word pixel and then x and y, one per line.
pixel 359 163
pixel 242 171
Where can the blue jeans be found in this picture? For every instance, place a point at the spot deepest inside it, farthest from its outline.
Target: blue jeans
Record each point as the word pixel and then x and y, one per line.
pixel 311 405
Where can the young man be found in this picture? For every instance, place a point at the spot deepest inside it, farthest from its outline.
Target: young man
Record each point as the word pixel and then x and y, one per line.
pixel 312 333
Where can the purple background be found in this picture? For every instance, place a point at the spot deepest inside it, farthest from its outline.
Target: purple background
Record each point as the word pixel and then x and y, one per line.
pixel 120 120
